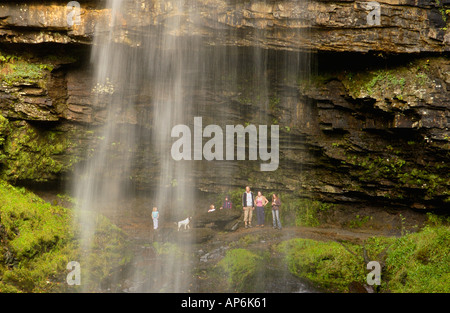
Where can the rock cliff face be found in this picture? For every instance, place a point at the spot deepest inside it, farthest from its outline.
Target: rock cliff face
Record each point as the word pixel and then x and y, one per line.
pixel 402 26
pixel 369 129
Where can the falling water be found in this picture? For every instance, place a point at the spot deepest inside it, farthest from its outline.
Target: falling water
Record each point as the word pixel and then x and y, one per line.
pixel 148 78
pixel 96 186
pixel 124 70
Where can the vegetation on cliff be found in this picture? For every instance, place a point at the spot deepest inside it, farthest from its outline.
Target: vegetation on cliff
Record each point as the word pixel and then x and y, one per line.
pixel 15 69
pixel 397 149
pixel 28 153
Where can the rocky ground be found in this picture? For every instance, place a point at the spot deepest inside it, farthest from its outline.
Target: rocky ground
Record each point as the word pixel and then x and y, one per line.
pixel 187 261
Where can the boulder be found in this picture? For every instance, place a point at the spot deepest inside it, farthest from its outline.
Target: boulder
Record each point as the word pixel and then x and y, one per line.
pixel 225 219
pixel 200 235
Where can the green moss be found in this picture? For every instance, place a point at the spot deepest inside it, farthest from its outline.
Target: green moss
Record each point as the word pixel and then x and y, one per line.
pixel 433 181
pixel 306 212
pixel 3 124
pixel 22 72
pixel 3 133
pixel 109 251
pixel 365 83
pixel 16 69
pixel 398 82
pixel 359 221
pixel 444 12
pixel 422 79
pixel 274 103
pixel 38 239
pixel 37 236
pixel 361 83
pixel 415 262
pixel 326 264
pixel 33 154
pixel 420 262
pixel 240 265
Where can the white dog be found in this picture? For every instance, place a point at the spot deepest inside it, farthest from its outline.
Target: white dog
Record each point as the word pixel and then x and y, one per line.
pixel 184 223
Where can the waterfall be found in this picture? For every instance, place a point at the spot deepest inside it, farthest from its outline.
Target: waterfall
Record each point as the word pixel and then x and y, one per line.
pixel 123 72
pixel 147 78
pixel 96 186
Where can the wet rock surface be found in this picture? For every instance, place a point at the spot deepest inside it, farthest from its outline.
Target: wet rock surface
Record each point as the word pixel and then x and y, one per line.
pixel 360 130
pixel 363 134
pixel 402 27
pixel 225 219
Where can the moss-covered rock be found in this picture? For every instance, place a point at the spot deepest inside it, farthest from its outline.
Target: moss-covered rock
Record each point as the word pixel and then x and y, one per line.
pixel 37 240
pixel 414 262
pixel 23 72
pixel 430 181
pixel 28 90
pixel 326 264
pixel 32 154
pixel 240 266
pixel 3 133
pixel 420 262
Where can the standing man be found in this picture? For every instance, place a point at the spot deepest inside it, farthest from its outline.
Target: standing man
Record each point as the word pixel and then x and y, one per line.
pixel 248 203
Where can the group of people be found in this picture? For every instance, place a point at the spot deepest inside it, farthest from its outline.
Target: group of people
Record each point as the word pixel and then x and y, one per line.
pixel 250 202
pixel 226 205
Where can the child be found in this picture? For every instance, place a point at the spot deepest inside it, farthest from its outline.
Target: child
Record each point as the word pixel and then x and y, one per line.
pixel 155 216
pixel 226 204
